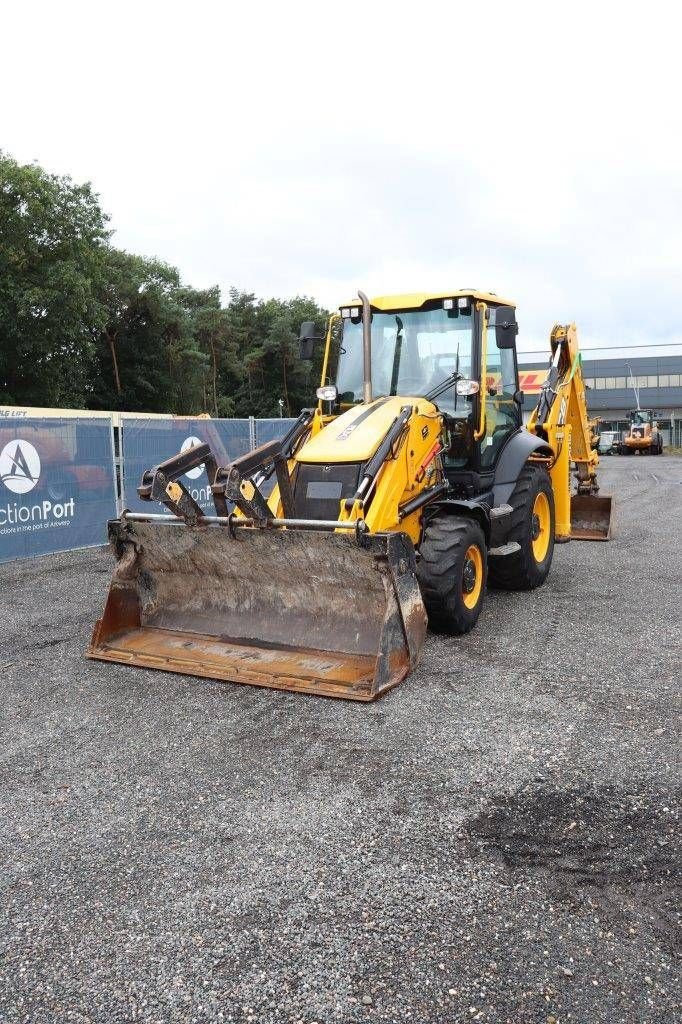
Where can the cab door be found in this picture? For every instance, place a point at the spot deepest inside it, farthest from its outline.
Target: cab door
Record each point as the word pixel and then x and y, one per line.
pixel 502 411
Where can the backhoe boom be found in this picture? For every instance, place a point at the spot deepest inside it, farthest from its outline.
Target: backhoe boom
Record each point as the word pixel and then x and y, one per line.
pixel 561 419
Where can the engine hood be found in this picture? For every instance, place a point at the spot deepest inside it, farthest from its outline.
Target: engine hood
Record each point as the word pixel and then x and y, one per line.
pixel 356 434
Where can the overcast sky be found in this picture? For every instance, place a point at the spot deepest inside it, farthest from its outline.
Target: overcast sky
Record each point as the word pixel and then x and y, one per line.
pixel 314 148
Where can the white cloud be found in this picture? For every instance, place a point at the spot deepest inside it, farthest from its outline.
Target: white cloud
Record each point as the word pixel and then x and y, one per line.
pixel 314 148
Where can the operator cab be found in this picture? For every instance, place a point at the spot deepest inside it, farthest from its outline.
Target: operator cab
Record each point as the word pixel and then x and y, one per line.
pixel 640 420
pixel 434 347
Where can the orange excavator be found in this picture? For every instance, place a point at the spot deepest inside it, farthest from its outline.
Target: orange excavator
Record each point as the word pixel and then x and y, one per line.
pixel 643 435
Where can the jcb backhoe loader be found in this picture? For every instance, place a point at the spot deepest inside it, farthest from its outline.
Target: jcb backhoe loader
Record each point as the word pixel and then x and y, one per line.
pixel 410 486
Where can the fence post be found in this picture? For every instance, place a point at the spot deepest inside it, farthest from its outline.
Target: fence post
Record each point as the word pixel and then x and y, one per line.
pixel 118 481
pixel 252 432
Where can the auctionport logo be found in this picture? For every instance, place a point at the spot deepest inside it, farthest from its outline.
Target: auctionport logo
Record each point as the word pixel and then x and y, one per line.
pixel 20 470
pixel 19 466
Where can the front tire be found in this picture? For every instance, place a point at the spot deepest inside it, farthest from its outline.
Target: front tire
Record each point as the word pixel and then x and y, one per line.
pixel 532 528
pixel 452 573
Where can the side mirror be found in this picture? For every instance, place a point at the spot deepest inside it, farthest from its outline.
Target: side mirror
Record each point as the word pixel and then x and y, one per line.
pixel 466 387
pixel 506 327
pixel 307 337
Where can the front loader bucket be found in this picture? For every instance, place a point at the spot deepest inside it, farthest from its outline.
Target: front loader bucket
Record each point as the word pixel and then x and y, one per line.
pixel 318 612
pixel 591 517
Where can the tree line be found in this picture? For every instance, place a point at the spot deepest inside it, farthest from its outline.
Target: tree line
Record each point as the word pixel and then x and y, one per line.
pixel 86 325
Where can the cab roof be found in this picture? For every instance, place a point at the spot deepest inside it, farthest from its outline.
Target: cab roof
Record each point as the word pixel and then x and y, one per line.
pixel 415 300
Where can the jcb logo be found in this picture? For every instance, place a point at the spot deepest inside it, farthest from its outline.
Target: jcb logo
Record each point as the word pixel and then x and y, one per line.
pixel 19 466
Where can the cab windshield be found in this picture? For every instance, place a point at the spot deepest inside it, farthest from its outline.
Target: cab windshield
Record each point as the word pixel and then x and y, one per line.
pixel 412 352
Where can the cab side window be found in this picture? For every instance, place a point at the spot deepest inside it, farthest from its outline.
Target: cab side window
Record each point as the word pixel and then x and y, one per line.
pixel 502 413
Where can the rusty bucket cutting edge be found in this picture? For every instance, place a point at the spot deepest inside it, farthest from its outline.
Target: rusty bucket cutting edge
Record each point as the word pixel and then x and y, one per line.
pixel 591 516
pixel 298 610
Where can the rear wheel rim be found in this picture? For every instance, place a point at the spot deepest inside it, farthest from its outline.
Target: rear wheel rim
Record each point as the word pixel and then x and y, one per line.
pixel 472 576
pixel 541 526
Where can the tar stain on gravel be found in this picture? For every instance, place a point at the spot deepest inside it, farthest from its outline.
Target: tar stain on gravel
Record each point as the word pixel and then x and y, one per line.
pixel 619 843
pixel 493 841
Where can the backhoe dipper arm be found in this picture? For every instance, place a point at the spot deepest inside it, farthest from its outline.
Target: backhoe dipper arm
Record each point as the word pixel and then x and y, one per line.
pixel 563 403
pixel 561 419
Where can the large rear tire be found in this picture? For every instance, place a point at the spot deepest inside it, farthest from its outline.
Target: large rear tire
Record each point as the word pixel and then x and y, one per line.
pixel 452 573
pixel 532 528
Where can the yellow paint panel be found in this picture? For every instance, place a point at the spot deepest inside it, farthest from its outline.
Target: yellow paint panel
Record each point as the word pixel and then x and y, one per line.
pixel 356 435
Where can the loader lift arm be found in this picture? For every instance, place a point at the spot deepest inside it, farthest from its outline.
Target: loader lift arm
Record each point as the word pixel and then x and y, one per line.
pixel 561 419
pixel 163 484
pixel 254 468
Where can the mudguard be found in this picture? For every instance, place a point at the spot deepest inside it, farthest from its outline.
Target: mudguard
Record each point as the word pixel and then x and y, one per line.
pixel 475 509
pixel 512 459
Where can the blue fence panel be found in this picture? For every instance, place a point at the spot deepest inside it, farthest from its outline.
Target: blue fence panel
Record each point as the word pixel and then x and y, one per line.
pixel 147 442
pixel 57 484
pixel 271 430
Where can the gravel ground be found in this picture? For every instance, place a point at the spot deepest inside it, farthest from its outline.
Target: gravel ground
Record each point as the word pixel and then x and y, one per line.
pixel 494 840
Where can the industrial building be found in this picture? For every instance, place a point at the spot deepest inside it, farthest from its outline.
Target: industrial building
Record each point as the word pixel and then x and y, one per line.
pixel 610 393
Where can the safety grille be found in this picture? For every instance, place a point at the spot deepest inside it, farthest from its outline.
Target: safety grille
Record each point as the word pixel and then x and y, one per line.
pixel 319 489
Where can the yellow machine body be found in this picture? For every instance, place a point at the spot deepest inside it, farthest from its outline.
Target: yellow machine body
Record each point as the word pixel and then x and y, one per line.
pixel 268 593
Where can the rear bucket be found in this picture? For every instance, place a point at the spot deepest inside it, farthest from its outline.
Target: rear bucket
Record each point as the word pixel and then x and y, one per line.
pixel 311 611
pixel 591 517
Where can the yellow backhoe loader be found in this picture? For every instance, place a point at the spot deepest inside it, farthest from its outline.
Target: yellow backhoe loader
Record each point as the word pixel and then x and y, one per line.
pixel 410 487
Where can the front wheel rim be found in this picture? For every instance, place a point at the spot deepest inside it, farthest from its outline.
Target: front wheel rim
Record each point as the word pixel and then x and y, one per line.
pixel 472 576
pixel 541 526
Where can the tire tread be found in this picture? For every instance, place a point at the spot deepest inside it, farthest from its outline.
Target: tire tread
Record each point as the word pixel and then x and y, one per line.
pixel 519 571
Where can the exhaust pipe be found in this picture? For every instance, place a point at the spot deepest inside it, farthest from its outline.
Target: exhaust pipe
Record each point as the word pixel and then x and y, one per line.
pixel 366 348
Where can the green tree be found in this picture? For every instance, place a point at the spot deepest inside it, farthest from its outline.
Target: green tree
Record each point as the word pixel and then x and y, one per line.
pixel 53 240
pixel 266 339
pixel 87 325
pixel 155 349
